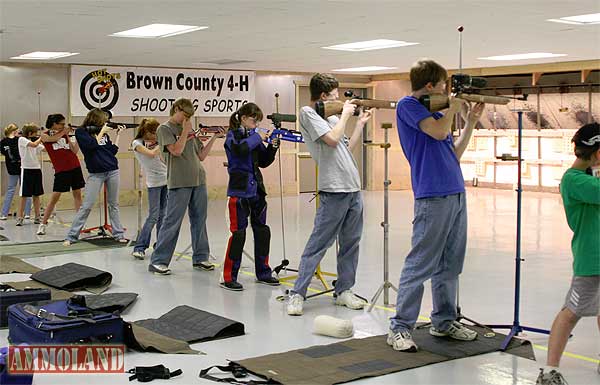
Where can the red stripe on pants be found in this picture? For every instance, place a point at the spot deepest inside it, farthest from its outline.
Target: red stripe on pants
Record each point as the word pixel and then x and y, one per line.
pixel 232 205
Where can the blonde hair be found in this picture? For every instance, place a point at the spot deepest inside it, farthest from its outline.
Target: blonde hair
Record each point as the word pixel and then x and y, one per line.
pixel 95 117
pixel 182 104
pixel 147 125
pixel 10 129
pixel 29 128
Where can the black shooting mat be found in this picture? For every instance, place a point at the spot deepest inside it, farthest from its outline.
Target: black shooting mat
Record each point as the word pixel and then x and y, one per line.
pixel 110 302
pixel 189 324
pixel 48 248
pixel 73 276
pixel 55 294
pixel 16 265
pixel 371 357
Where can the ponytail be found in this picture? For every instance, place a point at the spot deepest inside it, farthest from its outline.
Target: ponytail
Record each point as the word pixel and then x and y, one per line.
pixel 146 125
pixel 248 109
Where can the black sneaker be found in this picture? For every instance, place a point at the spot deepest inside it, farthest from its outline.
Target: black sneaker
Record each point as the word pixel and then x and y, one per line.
pixel 271 281
pixel 233 286
pixel 206 266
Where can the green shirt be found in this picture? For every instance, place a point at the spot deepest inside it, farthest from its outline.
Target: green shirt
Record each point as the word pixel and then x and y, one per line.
pixel 185 170
pixel 581 198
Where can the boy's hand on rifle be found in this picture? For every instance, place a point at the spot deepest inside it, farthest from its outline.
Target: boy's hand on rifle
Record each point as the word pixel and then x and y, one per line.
pixel 364 116
pixel 456 103
pixel 475 113
pixel 348 109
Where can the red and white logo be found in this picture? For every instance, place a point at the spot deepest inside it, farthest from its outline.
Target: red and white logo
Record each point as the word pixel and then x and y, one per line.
pixel 27 359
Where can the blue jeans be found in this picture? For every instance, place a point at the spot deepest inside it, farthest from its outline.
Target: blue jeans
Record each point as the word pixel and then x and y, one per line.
pixel 195 200
pixel 439 242
pixel 11 188
pixel 339 215
pixel 157 207
pixel 93 187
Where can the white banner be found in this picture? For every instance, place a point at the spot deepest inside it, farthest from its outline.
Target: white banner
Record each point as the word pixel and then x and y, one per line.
pixel 139 91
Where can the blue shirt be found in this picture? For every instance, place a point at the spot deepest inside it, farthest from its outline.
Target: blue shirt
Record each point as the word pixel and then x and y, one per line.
pixel 434 168
pixel 99 157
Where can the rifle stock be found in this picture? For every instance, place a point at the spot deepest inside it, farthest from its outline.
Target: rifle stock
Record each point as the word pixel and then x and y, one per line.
pixel 439 102
pixel 334 107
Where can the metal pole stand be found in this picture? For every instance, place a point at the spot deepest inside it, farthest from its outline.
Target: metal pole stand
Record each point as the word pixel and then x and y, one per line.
pixel 386 285
pixel 139 205
pixel 516 326
pixel 104 229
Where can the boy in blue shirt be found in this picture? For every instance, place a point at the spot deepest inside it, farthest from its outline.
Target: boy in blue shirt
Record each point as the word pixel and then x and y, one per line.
pixel 440 226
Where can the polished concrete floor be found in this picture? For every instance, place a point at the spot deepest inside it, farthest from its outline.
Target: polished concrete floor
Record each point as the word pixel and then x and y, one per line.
pixel 487 288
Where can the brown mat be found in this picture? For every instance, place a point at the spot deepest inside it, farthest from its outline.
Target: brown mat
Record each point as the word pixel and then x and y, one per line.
pixel 370 357
pixel 16 265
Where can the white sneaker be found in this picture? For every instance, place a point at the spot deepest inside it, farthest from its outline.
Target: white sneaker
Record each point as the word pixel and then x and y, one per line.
pixel 159 269
pixel 138 254
pixel 350 300
pixel 401 341
pixel 3 217
pixel 456 331
pixel 294 306
pixel 27 217
pixel 19 222
pixel 66 242
pixel 41 229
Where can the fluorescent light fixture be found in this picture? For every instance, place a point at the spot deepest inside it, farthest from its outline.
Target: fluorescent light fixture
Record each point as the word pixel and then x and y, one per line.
pixel 524 56
pixel 365 69
pixel 154 31
pixel 592 18
pixel 369 45
pixel 40 55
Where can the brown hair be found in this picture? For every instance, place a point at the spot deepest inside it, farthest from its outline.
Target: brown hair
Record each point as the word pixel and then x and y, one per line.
pixel 10 129
pixel 147 125
pixel 248 109
pixel 29 128
pixel 95 117
pixel 320 83
pixel 426 71
pixel 182 104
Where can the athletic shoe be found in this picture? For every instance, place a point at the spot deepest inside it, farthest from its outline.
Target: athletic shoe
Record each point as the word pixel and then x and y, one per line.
pixel 350 300
pixel 27 217
pixel 19 222
pixel 271 281
pixel 206 266
pixel 3 217
pixel 456 331
pixel 159 269
pixel 66 242
pixel 233 286
pixel 122 240
pixel 37 220
pixel 552 378
pixel 41 229
pixel 139 254
pixel 294 305
pixel 401 341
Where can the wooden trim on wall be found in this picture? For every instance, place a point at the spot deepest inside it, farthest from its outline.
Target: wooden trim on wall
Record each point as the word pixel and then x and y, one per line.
pixel 509 70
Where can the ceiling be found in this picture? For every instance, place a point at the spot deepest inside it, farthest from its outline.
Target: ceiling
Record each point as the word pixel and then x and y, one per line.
pixel 287 35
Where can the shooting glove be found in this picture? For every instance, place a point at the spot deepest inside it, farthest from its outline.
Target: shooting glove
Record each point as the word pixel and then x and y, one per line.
pixel 149 373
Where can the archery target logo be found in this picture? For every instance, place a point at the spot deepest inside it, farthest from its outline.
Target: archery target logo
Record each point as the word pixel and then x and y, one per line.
pixel 99 89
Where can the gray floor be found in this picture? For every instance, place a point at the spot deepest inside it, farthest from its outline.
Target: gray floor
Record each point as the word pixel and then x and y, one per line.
pixel 487 286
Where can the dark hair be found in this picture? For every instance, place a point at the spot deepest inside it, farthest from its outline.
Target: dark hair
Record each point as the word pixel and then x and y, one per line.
pixel 320 83
pixel 248 109
pixel 95 117
pixel 426 71
pixel 588 133
pixel 54 119
pixel 28 129
pixel 147 125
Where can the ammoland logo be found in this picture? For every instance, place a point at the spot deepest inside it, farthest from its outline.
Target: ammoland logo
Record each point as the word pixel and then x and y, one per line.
pixel 99 89
pixel 28 359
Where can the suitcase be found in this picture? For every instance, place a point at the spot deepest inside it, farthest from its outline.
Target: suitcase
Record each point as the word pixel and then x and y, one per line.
pixel 9 296
pixel 62 322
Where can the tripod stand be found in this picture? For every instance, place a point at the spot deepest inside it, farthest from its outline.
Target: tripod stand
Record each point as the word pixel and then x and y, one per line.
pixel 104 229
pixel 386 285
pixel 516 326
